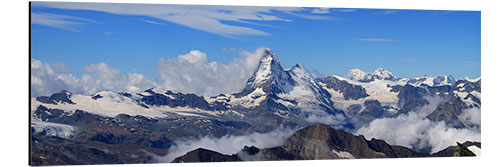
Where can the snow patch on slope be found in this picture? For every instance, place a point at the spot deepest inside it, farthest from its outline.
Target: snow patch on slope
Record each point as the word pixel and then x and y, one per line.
pixel 472 80
pixel 343 154
pixel 112 104
pixel 265 69
pixel 476 150
pixel 307 92
pixel 251 100
pixel 433 81
pixel 53 129
pixel 378 89
pixel 303 91
pixel 339 101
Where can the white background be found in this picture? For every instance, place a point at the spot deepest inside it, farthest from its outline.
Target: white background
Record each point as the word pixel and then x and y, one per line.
pixel 14 59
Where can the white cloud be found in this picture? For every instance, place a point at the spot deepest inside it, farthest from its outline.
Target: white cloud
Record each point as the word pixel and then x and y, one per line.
pixel 311 17
pixel 204 18
pixel 99 77
pixel 44 80
pixel 60 67
pixel 472 117
pixel 320 10
pixel 193 73
pixel 386 12
pixel 105 76
pixel 228 144
pixel 434 102
pixel 70 23
pixel 188 73
pixel 415 131
pixel 195 57
pixel 151 22
pixel 347 10
pixel 138 82
pixel 326 118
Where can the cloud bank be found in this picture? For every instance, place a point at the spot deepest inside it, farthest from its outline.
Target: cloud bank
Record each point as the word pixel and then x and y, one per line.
pixel 319 116
pixel 228 144
pixel 99 77
pixel 193 73
pixel 44 80
pixel 187 73
pixel 415 131
pixel 472 118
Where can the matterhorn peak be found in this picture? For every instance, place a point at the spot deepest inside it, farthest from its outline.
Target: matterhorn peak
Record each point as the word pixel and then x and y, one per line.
pixel 269 75
pixel 268 53
pixel 269 50
pixel 268 64
pixel 268 58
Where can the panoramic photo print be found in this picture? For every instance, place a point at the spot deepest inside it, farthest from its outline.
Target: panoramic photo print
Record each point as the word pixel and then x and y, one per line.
pixel 124 83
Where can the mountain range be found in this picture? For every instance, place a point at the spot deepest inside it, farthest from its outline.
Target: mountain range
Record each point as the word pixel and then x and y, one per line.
pixel 320 141
pixel 66 127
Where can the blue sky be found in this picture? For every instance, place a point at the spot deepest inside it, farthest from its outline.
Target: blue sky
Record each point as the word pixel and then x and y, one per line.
pixel 133 38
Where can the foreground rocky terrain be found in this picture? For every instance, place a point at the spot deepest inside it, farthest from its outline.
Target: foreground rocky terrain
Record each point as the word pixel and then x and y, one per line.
pixel 320 141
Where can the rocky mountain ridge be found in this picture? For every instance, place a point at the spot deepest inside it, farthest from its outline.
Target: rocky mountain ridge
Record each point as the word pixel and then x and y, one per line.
pixel 320 141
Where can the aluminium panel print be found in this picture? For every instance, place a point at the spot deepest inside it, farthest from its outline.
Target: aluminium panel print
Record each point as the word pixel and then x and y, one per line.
pixel 114 83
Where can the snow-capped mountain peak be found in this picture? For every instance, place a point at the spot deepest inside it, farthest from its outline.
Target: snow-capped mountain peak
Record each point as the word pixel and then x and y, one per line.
pixel 444 80
pixel 298 66
pixel 270 76
pixel 379 73
pixel 383 74
pixel 433 81
pixel 295 87
pixel 268 64
pixel 306 88
pixel 472 80
pixel 300 71
pixel 358 75
pixel 110 95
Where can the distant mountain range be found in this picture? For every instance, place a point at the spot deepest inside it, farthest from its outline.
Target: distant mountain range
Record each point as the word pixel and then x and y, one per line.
pixel 106 122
